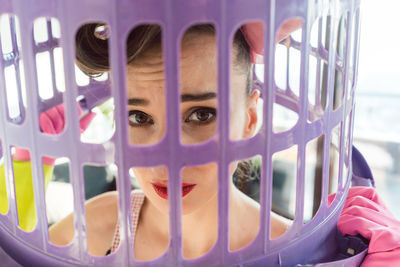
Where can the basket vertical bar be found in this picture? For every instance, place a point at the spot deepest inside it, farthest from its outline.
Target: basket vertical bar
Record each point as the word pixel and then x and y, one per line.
pixel 171 43
pixel 269 94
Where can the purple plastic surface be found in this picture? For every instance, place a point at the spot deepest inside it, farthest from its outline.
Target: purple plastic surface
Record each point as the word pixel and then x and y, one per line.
pixel 313 243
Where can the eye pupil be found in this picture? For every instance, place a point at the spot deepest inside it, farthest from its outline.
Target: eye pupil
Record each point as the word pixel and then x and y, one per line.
pixel 140 118
pixel 203 115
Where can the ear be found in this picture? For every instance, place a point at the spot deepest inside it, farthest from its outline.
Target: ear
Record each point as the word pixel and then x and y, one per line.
pixel 252 115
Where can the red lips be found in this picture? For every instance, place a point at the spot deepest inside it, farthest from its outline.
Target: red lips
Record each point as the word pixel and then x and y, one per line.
pixel 162 189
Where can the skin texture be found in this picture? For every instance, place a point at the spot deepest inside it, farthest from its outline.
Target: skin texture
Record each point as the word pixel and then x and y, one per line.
pixel 146 85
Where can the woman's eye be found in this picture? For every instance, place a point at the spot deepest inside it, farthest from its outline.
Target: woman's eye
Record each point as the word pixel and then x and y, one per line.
pixel 138 118
pixel 202 116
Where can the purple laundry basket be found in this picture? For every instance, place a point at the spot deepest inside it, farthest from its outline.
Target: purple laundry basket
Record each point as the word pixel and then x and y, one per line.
pixel 316 243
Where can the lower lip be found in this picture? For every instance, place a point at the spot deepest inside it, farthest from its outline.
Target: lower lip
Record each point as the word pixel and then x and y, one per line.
pixel 162 190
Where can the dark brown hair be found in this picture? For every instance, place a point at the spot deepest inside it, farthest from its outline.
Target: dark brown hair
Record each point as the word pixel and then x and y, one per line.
pixel 93 59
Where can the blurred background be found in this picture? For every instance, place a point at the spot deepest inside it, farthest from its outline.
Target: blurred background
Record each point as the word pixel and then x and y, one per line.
pixel 377 115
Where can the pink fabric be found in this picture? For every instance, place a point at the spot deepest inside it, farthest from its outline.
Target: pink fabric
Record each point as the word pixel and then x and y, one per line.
pixel 364 213
pixel 52 122
pixel 137 199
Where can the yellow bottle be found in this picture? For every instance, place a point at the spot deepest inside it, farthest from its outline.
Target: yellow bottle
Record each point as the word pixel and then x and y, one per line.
pixel 24 192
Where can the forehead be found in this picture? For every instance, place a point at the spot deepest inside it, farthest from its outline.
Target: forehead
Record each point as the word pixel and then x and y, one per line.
pixel 197 67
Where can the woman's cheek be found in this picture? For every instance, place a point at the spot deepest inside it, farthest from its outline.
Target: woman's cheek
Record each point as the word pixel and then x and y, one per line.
pixel 139 175
pixel 195 135
pixel 140 137
pixel 232 168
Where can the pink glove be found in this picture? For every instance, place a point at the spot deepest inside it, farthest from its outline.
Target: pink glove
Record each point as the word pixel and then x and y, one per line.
pixel 253 32
pixel 364 213
pixel 52 121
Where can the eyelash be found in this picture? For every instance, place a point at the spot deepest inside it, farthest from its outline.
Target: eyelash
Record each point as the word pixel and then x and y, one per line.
pixel 149 121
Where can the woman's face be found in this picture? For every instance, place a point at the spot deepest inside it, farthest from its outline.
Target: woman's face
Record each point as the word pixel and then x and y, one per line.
pixel 198 82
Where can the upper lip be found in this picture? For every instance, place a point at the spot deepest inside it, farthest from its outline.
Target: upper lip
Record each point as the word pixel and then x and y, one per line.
pixel 166 184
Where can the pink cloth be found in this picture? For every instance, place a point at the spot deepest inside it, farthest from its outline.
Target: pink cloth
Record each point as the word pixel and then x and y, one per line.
pixel 52 122
pixel 137 199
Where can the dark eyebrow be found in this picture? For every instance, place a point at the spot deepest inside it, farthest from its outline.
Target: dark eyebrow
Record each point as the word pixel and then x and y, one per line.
pixel 138 102
pixel 199 97
pixel 184 98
